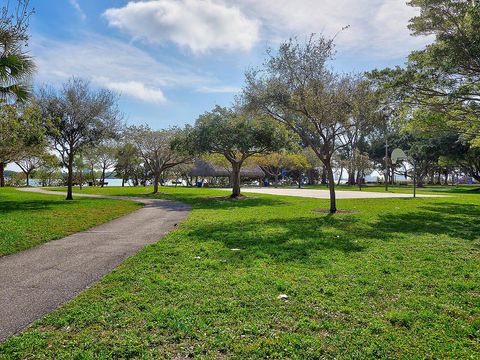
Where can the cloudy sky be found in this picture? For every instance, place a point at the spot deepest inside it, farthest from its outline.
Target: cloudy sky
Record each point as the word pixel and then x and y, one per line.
pixel 171 60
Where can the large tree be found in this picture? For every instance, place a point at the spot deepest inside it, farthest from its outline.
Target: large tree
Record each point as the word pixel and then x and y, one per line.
pixel 296 87
pixel 78 116
pixel 444 76
pixel 157 150
pixel 237 135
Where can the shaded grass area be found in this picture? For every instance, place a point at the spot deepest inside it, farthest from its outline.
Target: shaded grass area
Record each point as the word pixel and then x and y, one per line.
pixel 29 219
pixel 406 189
pixel 399 278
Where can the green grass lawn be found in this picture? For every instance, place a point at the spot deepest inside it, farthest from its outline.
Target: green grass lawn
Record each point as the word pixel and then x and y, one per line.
pixel 29 219
pixel 406 189
pixel 399 278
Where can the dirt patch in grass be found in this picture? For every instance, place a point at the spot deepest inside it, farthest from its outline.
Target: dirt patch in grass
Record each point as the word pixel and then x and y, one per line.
pixel 223 198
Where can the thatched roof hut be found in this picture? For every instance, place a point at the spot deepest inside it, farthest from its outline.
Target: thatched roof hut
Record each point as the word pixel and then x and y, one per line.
pixel 204 168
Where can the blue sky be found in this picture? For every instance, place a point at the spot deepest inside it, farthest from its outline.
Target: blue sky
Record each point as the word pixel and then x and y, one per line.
pixel 172 60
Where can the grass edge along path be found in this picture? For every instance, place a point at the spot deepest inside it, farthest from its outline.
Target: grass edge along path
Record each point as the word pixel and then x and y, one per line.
pixel 29 219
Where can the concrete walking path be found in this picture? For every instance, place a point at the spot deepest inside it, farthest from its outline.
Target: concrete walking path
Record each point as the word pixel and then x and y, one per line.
pixel 38 280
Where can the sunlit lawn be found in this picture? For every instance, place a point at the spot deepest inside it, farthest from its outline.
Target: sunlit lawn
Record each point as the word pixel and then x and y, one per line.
pixel 399 278
pixel 29 219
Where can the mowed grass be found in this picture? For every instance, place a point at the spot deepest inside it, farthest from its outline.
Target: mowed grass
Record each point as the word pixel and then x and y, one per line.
pixel 399 278
pixel 406 189
pixel 29 219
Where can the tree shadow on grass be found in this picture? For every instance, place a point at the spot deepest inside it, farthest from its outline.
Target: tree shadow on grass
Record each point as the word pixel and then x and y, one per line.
pixel 282 240
pixel 36 205
pixel 453 219
pixel 29 205
pixel 302 239
pixel 202 202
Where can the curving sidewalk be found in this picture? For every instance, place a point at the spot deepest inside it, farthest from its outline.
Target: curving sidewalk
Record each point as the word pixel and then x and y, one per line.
pixel 36 281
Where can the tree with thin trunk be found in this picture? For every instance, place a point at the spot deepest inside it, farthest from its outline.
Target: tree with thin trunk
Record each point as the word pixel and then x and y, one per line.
pixel 78 116
pixel 157 150
pixel 106 160
pixel 236 135
pixel 127 163
pixel 296 87
pixel 297 165
pixel 21 131
pixel 31 160
pixel 91 160
pixel 49 173
pixel 272 164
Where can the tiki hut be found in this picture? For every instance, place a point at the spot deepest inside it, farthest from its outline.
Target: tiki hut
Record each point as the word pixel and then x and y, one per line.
pixel 205 169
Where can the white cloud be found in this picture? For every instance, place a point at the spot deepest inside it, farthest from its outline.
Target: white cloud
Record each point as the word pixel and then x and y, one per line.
pixel 78 9
pixel 378 28
pixel 217 89
pixel 112 64
pixel 136 90
pixel 199 25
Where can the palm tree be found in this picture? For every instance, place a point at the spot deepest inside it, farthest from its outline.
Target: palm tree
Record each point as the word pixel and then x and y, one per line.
pixel 16 66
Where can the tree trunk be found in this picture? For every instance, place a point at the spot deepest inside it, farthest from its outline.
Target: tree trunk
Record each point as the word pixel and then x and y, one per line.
pixel 81 179
pixel 340 176
pixel 156 180
pixel 103 176
pixel 2 174
pixel 92 174
pixel 123 182
pixel 351 178
pixel 236 179
pixel 276 180
pixel 311 176
pixel 70 177
pixel 432 178
pixel 324 176
pixel 27 177
pixel 445 173
pixel 331 187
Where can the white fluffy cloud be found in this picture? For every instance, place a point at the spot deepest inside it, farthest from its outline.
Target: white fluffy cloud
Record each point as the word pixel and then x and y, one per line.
pixel 136 90
pixel 217 89
pixel 112 64
pixel 377 27
pixel 199 25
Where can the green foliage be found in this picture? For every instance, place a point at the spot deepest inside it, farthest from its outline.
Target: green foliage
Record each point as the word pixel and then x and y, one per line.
pixel 20 130
pixel 444 77
pixel 16 66
pixel 158 149
pixel 236 135
pixel 76 117
pixel 397 279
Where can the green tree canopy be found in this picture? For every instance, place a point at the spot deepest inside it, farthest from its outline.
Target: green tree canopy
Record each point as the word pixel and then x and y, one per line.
pixel 236 135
